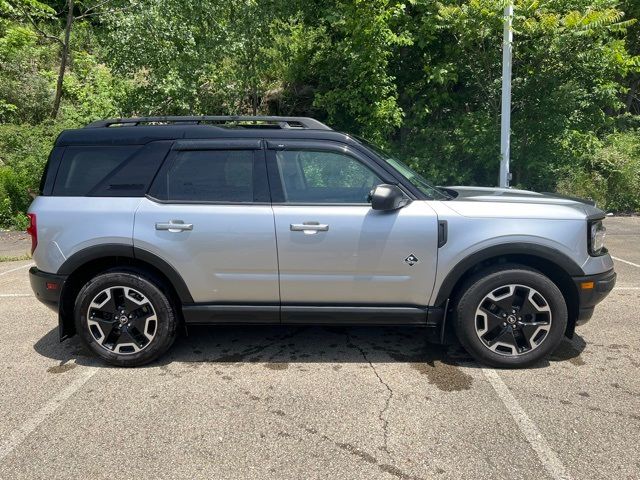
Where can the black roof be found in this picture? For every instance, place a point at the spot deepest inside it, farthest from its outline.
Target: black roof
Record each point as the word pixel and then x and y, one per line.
pixel 142 130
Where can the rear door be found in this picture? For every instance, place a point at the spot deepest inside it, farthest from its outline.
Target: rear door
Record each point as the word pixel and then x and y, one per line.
pixel 208 214
pixel 333 249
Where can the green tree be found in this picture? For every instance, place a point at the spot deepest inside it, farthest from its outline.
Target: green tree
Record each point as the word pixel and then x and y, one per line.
pixel 632 96
pixel 200 57
pixel 569 58
pixel 43 19
pixel 354 85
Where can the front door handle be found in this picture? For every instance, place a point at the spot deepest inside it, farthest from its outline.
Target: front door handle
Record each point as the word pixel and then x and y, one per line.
pixel 174 226
pixel 309 228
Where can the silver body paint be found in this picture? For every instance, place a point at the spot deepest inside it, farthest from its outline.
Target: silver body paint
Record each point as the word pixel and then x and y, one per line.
pixel 249 254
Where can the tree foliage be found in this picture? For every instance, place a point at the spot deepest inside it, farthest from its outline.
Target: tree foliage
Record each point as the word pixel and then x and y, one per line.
pixel 418 76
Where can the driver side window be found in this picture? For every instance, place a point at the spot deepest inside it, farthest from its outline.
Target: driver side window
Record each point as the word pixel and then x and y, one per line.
pixel 324 177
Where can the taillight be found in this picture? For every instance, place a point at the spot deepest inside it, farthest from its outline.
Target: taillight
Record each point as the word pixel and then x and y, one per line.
pixel 32 230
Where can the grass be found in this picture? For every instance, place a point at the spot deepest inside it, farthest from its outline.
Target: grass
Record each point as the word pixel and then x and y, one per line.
pixel 15 258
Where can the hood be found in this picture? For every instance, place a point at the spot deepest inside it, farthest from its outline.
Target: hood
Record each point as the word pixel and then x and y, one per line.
pixel 515 196
pixel 511 195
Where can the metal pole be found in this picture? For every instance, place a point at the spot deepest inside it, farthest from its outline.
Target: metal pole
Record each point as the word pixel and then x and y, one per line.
pixel 505 119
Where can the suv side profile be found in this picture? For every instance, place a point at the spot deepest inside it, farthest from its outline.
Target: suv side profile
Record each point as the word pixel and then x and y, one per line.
pixel 146 224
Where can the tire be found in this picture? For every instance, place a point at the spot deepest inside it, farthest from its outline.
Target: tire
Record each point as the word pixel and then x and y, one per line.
pixel 510 316
pixel 138 335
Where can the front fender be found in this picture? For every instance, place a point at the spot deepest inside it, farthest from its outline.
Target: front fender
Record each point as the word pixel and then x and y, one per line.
pixel 453 274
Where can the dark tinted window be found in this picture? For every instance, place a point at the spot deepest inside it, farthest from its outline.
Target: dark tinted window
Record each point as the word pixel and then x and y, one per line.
pixel 324 177
pixel 133 177
pixel 83 168
pixel 208 176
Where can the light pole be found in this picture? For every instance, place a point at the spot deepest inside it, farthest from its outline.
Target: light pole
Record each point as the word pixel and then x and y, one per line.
pixel 505 118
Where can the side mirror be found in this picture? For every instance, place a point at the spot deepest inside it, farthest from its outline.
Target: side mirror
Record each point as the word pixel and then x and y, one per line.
pixel 388 197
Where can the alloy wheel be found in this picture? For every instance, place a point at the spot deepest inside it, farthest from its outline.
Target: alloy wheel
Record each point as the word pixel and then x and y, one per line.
pixel 513 320
pixel 122 320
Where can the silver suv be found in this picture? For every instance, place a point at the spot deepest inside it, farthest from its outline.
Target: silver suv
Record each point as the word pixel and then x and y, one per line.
pixel 147 224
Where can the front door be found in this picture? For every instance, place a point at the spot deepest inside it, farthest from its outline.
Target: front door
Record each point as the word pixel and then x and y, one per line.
pixel 333 249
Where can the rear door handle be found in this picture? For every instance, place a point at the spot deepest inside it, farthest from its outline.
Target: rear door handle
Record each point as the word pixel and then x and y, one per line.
pixel 174 226
pixel 309 228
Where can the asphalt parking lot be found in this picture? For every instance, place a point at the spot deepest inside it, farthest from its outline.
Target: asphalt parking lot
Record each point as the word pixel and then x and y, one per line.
pixel 325 403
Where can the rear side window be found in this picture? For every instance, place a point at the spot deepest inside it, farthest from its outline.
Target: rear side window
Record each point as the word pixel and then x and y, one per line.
pixel 109 171
pixel 83 168
pixel 208 176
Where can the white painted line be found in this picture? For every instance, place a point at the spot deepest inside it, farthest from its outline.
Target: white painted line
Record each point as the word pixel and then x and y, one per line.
pixel 3 295
pixel 17 268
pixel 626 261
pixel 17 436
pixel 549 460
pixel 627 288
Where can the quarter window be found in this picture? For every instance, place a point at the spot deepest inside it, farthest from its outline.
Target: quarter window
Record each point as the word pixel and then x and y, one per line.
pixel 324 177
pixel 82 168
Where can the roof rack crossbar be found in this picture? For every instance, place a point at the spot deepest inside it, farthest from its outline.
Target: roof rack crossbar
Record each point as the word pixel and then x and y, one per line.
pixel 282 122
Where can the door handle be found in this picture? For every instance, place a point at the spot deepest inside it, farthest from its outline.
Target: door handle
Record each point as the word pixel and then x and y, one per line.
pixel 174 226
pixel 309 228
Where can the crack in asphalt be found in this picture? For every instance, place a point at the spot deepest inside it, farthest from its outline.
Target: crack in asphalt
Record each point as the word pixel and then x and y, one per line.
pixel 358 453
pixel 362 454
pixel 387 403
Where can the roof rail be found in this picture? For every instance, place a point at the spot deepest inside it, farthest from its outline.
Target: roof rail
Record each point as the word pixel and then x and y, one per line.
pixel 281 122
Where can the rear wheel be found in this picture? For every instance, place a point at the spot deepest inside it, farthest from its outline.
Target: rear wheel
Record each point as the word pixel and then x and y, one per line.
pixel 125 318
pixel 510 316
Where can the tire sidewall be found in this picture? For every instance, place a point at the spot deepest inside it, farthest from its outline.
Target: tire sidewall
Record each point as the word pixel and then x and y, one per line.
pixel 484 284
pixel 166 324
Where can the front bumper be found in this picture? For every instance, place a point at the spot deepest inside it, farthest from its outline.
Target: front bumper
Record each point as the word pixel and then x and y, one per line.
pixel 592 289
pixel 47 287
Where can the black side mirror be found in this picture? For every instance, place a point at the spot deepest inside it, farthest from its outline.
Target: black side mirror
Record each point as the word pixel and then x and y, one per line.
pixel 388 197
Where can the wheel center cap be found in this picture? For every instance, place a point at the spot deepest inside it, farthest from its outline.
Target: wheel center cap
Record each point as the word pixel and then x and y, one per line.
pixel 123 319
pixel 511 319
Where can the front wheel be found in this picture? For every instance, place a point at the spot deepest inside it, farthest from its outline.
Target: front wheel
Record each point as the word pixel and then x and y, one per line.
pixel 125 318
pixel 510 316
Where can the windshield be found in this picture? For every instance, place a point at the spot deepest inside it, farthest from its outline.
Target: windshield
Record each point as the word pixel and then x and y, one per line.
pixel 414 178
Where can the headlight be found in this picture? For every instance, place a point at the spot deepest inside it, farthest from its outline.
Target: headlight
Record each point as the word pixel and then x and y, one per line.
pixel 597 234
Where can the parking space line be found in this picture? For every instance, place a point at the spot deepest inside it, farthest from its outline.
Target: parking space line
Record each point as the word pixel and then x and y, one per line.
pixel 549 460
pixel 17 268
pixel 626 261
pixel 17 436
pixel 3 295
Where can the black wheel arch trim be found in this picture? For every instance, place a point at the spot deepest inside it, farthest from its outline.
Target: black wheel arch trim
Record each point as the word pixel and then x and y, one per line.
pixel 97 252
pixel 517 248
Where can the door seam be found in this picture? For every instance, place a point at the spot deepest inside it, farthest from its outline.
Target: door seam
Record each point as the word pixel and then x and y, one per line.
pixel 275 231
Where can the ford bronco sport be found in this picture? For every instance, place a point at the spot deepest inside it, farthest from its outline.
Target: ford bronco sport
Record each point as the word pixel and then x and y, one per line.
pixel 145 224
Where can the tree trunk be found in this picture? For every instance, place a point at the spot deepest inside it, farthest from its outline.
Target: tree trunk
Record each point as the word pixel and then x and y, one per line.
pixel 254 101
pixel 63 60
pixel 631 95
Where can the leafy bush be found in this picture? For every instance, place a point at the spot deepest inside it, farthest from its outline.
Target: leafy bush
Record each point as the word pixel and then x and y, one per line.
pixel 11 215
pixel 610 176
pixel 23 154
